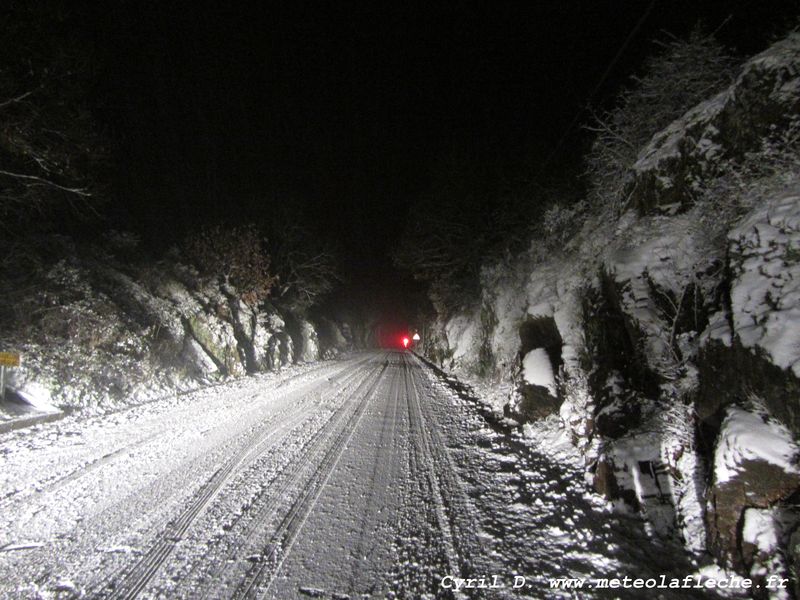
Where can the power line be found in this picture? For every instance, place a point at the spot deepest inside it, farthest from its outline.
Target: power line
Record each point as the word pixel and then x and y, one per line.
pixel 602 80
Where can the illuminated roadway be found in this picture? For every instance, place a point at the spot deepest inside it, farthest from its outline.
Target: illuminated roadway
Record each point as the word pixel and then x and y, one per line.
pixel 366 477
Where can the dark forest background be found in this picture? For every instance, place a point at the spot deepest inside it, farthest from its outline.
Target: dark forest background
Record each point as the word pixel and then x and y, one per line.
pixel 355 133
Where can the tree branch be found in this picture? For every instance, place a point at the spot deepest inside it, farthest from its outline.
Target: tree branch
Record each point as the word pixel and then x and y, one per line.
pixel 19 98
pixel 78 191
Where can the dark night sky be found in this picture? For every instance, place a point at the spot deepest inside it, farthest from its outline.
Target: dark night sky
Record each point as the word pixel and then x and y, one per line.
pixel 227 110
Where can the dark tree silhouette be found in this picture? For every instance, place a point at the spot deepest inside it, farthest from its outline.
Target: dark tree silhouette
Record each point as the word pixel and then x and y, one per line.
pixel 233 256
pixel 50 147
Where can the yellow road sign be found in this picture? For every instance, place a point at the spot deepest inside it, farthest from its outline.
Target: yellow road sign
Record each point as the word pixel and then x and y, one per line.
pixel 9 359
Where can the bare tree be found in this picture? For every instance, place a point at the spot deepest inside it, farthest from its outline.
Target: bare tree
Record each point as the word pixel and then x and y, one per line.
pixel 444 245
pixel 49 143
pixel 307 267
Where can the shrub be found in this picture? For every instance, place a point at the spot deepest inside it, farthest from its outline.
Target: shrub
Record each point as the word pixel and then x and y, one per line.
pixel 234 256
pixel 674 80
pixel 561 222
pixel 741 183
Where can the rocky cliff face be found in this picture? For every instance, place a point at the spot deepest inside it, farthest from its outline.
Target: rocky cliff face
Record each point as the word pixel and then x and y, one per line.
pixel 764 98
pixel 667 343
pixel 99 332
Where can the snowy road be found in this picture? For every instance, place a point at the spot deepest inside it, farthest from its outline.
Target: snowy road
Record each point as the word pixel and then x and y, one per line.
pixel 366 477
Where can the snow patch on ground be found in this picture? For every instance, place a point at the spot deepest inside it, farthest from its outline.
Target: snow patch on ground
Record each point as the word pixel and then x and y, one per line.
pixel 551 438
pixel 37 395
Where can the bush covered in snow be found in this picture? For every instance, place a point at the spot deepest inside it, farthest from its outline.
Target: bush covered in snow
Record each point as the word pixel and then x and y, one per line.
pixel 680 75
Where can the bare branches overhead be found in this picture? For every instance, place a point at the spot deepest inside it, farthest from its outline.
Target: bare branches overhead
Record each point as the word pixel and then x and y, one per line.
pixel 50 146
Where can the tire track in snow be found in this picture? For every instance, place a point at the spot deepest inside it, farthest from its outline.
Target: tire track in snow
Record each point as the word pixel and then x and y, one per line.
pixel 91 462
pixel 379 479
pixel 455 500
pixel 260 579
pixel 442 495
pixel 136 578
pixel 58 482
pixel 289 477
pixel 345 547
pixel 142 572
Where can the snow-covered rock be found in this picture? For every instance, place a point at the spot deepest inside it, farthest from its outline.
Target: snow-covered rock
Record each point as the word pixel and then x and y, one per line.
pixel 308 350
pixel 755 466
pixel 217 338
pixel 765 296
pixel 746 437
pixel 330 338
pixel 766 93
pixel 761 551
pixel 756 345
pixel 463 339
pixel 656 326
pixel 108 333
pixel 659 283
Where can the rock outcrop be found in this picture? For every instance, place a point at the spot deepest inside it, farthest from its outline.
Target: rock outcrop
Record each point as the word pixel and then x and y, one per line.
pixel 668 341
pixel 764 96
pixel 105 333
pixel 755 342
pixel 755 467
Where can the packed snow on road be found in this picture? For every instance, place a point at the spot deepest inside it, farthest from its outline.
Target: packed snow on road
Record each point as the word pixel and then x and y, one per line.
pixel 366 477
